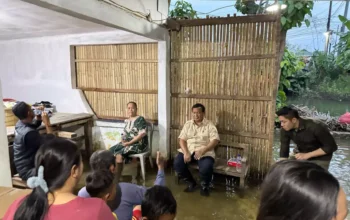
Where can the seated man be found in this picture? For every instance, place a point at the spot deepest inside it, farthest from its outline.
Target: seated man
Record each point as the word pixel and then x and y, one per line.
pixel 27 138
pixel 313 139
pixel 198 139
pixel 158 204
pixel 127 195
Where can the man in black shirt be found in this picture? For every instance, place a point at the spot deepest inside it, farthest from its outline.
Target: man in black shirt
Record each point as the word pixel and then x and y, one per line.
pixel 313 140
pixel 27 138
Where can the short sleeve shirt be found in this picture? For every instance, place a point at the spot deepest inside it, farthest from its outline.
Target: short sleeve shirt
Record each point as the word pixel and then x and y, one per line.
pixel 199 135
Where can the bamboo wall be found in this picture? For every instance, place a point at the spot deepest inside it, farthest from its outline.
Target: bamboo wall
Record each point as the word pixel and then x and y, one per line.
pixel 113 75
pixel 231 66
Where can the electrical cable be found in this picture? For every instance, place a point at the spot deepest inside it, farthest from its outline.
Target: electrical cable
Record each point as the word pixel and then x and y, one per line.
pixel 204 13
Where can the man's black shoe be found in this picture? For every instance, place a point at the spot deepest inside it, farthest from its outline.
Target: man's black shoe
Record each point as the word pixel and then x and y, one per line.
pixel 191 187
pixel 205 191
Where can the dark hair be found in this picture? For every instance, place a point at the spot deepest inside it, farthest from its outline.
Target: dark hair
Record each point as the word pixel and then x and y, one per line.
pixel 134 103
pixel 294 190
pixel 57 156
pixel 158 201
pixel 198 105
pixel 288 112
pixel 102 160
pixel 20 110
pixel 99 183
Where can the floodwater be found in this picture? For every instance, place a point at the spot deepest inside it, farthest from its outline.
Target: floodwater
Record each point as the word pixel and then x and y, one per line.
pixel 335 108
pixel 226 202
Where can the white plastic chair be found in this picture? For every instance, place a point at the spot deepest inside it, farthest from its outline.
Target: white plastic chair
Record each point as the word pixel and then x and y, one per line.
pixel 148 153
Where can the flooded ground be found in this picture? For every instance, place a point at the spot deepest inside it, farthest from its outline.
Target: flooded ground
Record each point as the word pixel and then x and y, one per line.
pixel 228 203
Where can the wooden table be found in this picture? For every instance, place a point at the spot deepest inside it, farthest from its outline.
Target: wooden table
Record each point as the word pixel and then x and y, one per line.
pixel 60 121
pixel 8 196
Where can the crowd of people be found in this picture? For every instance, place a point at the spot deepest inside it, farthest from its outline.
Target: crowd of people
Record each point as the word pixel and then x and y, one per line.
pixel 296 188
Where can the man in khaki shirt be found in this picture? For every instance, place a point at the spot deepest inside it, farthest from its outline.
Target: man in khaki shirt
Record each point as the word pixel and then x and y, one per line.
pixel 198 139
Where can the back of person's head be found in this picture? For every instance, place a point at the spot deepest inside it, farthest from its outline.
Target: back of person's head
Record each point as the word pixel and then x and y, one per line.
pixel 288 112
pixel 199 105
pixel 21 110
pixel 101 184
pixel 57 161
pixel 158 201
pixel 102 160
pixel 298 190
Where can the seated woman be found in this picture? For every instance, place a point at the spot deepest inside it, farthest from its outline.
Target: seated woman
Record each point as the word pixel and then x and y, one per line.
pixel 298 190
pixel 58 166
pixel 134 137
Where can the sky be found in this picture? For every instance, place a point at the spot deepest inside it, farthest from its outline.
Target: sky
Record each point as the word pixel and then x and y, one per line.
pixel 310 38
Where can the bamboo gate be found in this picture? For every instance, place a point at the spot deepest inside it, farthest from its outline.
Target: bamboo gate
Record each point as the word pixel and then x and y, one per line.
pixel 113 75
pixel 231 65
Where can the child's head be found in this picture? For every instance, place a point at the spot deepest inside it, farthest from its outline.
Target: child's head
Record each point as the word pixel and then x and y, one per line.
pixel 103 160
pixel 158 204
pixel 101 184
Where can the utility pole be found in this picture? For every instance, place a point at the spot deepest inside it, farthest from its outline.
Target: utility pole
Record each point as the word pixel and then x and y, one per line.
pixel 328 33
pixel 345 15
pixel 329 15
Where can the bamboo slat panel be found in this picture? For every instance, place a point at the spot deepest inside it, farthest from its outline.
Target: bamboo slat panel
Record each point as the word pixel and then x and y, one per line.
pixel 233 78
pixel 224 40
pixel 113 75
pixel 231 69
pixel 114 104
pixel 117 75
pixel 228 115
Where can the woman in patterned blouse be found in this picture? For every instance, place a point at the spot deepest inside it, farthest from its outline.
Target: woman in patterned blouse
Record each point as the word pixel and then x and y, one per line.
pixel 134 136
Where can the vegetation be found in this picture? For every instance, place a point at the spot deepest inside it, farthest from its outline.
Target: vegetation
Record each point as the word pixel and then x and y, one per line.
pixel 183 9
pixel 291 75
pixel 293 16
pixel 328 74
pixel 325 76
pixel 338 89
pixel 295 13
pixel 343 47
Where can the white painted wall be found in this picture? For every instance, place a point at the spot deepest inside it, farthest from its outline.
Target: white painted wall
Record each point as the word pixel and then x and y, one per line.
pixel 38 69
pixel 109 14
pixel 5 170
pixel 24 20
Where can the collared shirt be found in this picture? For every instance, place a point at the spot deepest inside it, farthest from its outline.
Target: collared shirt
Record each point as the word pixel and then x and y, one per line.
pixel 311 135
pixel 199 135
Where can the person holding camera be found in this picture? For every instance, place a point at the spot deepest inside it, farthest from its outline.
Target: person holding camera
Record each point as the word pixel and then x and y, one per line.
pixel 27 137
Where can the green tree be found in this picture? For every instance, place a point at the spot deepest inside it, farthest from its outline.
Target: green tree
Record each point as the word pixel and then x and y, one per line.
pixel 343 47
pixel 183 9
pixel 291 66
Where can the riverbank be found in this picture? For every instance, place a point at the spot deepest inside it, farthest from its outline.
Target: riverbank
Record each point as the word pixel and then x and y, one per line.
pixel 331 121
pixel 331 107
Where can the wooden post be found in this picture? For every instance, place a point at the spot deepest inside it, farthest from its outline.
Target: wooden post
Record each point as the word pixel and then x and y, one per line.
pixel 88 137
pixel 5 170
